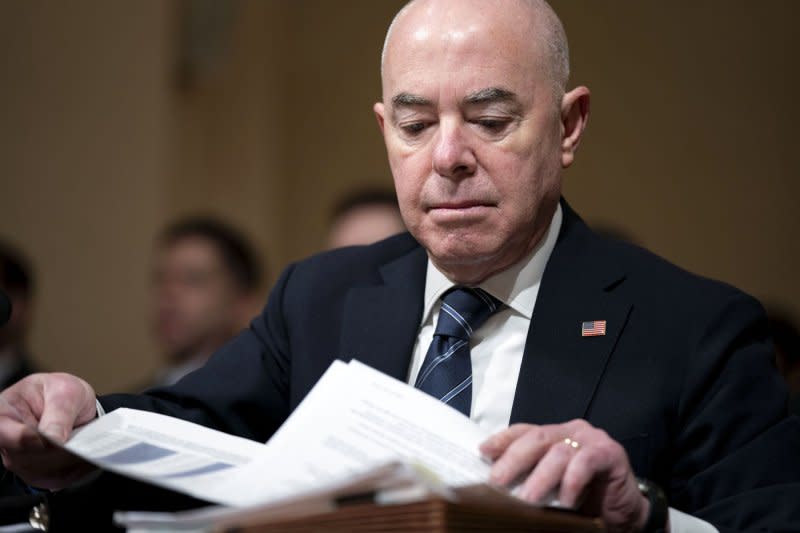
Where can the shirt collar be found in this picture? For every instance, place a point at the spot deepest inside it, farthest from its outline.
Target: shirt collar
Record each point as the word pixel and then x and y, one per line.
pixel 174 373
pixel 516 286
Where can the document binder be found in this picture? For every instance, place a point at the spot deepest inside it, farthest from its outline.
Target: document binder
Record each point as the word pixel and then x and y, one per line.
pixel 478 508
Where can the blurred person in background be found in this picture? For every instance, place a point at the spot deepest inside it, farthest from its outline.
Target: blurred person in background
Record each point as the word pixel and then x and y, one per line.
pixel 16 280
pixel 365 216
pixel 786 336
pixel 205 282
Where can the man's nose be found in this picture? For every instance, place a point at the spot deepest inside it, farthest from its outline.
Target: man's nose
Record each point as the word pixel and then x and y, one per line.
pixel 453 156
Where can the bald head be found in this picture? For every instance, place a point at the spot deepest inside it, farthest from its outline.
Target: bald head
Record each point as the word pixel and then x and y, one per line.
pixel 531 20
pixel 478 126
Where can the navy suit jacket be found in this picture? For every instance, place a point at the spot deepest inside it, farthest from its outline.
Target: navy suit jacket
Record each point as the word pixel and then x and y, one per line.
pixel 684 377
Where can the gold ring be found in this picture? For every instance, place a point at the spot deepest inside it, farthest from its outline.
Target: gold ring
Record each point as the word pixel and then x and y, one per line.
pixel 575 445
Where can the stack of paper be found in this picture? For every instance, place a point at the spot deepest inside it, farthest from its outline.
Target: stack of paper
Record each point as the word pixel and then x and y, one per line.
pixel 357 434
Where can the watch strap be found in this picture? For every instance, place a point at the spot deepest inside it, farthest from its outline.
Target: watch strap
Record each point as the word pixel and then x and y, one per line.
pixel 659 508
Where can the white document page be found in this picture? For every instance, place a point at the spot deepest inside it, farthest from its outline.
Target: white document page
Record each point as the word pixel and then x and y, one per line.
pixel 165 451
pixel 353 420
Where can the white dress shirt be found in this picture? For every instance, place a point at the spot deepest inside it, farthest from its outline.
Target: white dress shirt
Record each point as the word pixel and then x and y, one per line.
pixel 496 348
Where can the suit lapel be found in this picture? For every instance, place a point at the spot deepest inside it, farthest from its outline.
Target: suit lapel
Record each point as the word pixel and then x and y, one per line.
pixel 380 323
pixel 560 368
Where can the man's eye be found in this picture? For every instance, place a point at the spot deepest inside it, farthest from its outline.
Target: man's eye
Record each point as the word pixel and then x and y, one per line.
pixel 492 125
pixel 413 128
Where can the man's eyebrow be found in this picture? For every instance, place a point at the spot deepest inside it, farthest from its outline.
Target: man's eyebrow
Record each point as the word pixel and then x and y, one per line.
pixel 408 99
pixel 483 96
pixel 491 95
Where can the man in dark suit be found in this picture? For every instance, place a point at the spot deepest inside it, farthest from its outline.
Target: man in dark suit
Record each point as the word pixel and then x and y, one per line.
pixel 205 279
pixel 608 362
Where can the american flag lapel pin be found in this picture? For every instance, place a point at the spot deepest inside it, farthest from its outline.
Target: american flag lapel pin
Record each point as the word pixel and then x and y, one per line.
pixel 593 328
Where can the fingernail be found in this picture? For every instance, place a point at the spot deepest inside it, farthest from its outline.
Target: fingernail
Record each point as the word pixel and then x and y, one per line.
pixel 55 432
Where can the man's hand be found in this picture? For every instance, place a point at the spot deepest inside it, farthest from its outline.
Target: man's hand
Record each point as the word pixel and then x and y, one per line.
pixel 53 404
pixel 589 470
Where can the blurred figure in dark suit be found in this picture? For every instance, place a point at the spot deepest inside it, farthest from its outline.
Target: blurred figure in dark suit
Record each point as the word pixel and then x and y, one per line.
pixel 205 280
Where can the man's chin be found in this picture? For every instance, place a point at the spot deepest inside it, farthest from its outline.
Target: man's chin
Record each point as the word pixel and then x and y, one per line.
pixel 467 264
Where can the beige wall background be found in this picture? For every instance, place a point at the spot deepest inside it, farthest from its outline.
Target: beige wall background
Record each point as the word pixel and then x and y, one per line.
pixel 117 116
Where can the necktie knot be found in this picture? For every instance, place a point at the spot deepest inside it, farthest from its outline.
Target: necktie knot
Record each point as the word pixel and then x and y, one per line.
pixel 463 311
pixel 446 372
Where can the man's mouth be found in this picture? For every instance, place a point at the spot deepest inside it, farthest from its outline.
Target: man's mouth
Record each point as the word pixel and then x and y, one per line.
pixel 459 211
pixel 459 205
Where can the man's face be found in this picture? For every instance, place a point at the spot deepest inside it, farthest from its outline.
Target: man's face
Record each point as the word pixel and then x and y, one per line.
pixel 474 137
pixel 194 298
pixel 365 224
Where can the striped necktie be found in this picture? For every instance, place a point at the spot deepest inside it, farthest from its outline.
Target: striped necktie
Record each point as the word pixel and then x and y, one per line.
pixel 446 372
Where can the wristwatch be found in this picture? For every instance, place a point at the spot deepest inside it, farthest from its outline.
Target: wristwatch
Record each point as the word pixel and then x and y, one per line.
pixel 657 517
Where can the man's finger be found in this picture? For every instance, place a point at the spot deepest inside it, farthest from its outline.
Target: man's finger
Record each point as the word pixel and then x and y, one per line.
pixel 7 410
pixel 547 473
pixel 576 478
pixel 602 459
pixel 521 455
pixel 15 436
pixel 18 426
pixel 497 443
pixel 66 405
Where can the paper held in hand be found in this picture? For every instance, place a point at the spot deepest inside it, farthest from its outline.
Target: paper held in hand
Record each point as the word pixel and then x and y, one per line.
pixel 357 429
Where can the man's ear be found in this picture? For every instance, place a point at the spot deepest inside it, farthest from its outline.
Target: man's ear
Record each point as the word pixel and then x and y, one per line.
pixel 379 108
pixel 574 116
